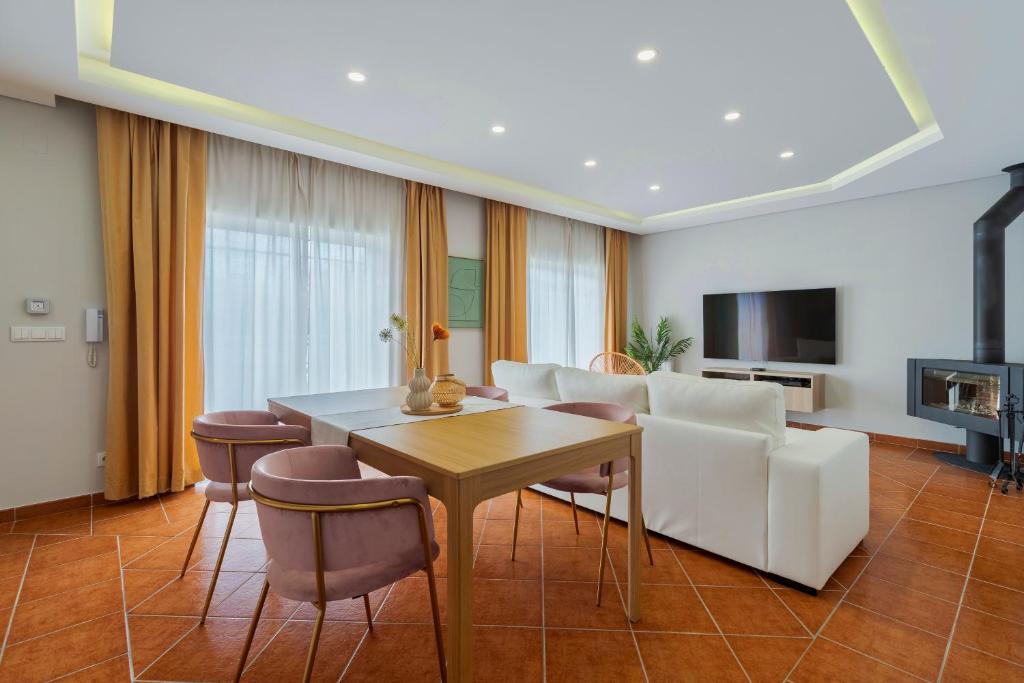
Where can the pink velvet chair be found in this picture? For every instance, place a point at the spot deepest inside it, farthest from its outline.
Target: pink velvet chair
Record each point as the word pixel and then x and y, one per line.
pixel 228 444
pixel 332 536
pixel 600 479
pixel 493 393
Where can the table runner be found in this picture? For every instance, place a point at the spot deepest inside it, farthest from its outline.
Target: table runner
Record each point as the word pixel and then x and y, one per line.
pixel 334 428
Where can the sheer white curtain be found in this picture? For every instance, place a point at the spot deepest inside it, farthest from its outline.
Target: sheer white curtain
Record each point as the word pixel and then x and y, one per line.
pixel 565 289
pixel 304 262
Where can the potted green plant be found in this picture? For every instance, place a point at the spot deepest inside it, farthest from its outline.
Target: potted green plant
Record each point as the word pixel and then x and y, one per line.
pixel 653 353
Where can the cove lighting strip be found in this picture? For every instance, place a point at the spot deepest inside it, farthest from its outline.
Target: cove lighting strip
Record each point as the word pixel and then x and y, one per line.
pixel 95 21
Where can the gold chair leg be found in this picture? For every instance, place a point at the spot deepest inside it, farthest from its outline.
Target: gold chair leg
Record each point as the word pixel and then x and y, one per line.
pixel 575 518
pixel 220 561
pixel 515 525
pixel 314 642
pixel 369 617
pixel 195 537
pixel 436 613
pixel 647 540
pixel 604 540
pixel 252 630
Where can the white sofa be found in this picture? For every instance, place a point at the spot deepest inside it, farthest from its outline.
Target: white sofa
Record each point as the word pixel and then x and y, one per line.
pixel 721 471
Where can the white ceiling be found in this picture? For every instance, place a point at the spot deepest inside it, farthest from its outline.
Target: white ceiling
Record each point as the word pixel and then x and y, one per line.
pixel 563 78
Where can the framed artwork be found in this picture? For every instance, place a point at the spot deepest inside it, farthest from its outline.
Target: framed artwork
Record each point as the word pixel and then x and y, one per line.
pixel 465 292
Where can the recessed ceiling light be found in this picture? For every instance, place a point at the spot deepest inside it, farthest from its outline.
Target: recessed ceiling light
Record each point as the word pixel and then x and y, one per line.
pixel 590 163
pixel 732 116
pixel 786 155
pixel 646 55
pixel 654 188
pixel 498 129
pixel 356 77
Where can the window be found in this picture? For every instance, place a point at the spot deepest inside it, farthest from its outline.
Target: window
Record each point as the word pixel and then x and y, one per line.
pixel 565 290
pixel 304 262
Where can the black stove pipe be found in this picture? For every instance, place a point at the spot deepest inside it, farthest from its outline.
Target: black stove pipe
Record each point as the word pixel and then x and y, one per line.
pixel 990 296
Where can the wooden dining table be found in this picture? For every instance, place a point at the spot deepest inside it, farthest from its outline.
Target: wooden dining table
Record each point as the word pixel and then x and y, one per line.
pixel 467 459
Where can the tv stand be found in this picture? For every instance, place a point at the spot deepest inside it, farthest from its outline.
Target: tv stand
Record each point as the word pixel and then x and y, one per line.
pixel 804 391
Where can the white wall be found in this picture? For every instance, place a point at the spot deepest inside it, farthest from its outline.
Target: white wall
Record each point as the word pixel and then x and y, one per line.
pixel 52 405
pixel 902 264
pixel 467 237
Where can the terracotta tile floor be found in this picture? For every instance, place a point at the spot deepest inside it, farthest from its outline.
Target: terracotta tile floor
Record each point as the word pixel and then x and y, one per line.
pixel 932 593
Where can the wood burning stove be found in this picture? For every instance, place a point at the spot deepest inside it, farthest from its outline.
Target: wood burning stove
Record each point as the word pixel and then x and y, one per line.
pixel 962 393
pixel 969 388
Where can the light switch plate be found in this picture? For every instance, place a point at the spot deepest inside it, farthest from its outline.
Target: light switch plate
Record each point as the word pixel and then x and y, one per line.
pixel 25 333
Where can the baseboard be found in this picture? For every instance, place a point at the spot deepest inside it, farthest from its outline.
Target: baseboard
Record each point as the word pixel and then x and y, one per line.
pixel 51 506
pixel 893 440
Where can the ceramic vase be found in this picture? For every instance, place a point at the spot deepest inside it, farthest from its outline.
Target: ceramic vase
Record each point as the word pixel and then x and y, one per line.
pixel 419 397
pixel 448 390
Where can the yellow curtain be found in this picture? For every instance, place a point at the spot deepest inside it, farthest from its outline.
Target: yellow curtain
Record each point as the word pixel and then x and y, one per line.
pixel 505 285
pixel 153 198
pixel 616 288
pixel 426 270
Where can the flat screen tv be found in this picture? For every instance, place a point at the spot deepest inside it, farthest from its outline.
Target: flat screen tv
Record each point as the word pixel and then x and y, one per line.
pixel 793 326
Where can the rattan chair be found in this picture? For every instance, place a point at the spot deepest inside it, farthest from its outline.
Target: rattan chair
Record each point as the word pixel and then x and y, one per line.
pixel 614 363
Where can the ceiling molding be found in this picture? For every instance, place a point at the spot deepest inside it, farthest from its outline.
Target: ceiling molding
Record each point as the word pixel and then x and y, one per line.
pixel 94 24
pixel 28 93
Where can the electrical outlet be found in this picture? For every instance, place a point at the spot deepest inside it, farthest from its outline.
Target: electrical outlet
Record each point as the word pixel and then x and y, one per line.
pixel 101 459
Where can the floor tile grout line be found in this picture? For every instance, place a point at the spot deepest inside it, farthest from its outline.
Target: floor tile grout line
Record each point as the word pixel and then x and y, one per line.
pixel 623 599
pixel 999 586
pixel 889 617
pixel 867 564
pixel 963 591
pixel 17 597
pixel 912 590
pixel 891 553
pixel 788 608
pixel 77 559
pixel 65 628
pixel 366 633
pixel 710 615
pixel 175 579
pixel 252 659
pixel 169 648
pixel 124 611
pixel 939 526
pixel 155 591
pixel 872 657
pixel 989 654
pixel 934 506
pixel 167 517
pixel 895 481
pixel 90 666
pixel 159 545
pixel 352 657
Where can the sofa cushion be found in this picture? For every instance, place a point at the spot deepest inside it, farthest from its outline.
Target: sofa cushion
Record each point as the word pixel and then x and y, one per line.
pixel 534 380
pixel 750 406
pixel 582 385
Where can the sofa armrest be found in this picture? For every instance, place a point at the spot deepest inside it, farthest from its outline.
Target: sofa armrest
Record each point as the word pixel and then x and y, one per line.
pixel 707 485
pixel 818 503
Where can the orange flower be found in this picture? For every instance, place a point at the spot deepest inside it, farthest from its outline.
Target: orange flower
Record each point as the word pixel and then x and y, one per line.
pixel 439 332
